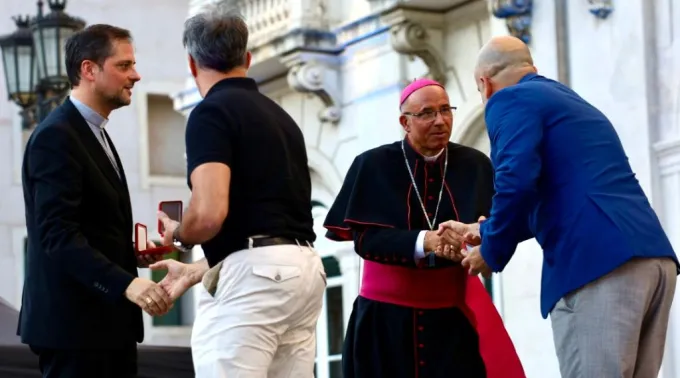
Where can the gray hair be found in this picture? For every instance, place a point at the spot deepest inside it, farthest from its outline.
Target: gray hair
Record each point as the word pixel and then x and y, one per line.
pixel 216 38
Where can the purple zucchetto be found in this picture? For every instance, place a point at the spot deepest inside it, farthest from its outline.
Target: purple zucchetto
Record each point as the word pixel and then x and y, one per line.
pixel 414 86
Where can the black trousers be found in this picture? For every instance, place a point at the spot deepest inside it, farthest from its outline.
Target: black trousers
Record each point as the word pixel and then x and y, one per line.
pixel 388 341
pixel 99 363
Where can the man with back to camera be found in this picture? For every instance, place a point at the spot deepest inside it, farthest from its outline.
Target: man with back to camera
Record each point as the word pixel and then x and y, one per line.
pixel 81 303
pixel 562 176
pixel 250 209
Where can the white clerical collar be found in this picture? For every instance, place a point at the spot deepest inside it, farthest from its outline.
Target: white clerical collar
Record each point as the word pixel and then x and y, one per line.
pixel 434 158
pixel 92 117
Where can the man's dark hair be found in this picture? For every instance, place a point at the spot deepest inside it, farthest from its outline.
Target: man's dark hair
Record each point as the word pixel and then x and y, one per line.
pixel 217 38
pixel 94 43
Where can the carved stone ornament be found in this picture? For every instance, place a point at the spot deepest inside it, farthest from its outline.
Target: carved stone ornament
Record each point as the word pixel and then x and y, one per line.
pixel 412 39
pixel 517 15
pixel 601 8
pixel 318 79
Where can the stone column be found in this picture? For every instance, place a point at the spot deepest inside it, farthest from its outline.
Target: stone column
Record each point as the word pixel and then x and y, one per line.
pixel 668 206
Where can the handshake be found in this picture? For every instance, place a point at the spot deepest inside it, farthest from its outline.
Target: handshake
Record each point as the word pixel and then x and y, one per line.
pixel 451 240
pixel 149 296
pixel 157 299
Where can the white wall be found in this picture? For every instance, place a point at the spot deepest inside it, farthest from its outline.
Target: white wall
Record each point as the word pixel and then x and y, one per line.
pixel 663 38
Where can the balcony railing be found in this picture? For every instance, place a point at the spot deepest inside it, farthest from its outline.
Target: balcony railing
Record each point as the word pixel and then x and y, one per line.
pixel 271 19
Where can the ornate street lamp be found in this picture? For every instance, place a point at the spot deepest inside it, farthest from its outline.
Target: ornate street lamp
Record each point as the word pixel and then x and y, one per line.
pixel 50 33
pixel 38 83
pixel 20 70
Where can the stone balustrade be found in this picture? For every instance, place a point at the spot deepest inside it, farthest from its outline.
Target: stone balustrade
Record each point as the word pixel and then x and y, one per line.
pixel 269 20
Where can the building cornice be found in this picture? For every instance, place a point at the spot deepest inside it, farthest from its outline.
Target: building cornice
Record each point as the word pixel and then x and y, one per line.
pixel 310 57
pixel 409 36
pixel 317 74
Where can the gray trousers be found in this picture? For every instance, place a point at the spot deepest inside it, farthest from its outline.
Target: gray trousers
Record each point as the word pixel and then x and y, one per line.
pixel 615 327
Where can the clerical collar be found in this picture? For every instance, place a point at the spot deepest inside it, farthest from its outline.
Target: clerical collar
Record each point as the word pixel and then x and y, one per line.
pixel 92 117
pixel 432 159
pixel 412 153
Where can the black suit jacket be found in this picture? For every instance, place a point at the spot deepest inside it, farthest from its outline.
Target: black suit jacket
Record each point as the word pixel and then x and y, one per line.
pixel 80 251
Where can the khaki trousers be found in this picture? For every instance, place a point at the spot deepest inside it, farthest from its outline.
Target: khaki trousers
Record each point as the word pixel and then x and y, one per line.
pixel 261 320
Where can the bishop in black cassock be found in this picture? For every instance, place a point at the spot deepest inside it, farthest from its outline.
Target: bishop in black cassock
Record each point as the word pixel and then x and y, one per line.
pixel 418 315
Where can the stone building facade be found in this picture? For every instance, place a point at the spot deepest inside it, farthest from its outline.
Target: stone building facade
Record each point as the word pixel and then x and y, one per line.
pixel 338 66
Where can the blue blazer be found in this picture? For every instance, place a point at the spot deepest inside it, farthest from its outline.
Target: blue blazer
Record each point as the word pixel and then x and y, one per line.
pixel 562 176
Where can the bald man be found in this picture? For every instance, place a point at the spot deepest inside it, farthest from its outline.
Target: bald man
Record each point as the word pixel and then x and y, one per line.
pixel 418 313
pixel 562 176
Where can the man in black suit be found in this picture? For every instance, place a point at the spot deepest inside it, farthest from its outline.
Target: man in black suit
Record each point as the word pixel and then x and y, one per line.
pixel 82 297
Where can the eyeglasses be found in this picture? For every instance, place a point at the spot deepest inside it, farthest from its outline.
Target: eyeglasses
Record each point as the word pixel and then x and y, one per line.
pixel 431 115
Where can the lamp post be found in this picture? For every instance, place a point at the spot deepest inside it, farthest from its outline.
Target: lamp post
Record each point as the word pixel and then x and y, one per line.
pixel 20 69
pixel 33 61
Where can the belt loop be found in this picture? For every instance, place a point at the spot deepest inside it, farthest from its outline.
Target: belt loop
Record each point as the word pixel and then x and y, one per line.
pixel 250 243
pixel 298 244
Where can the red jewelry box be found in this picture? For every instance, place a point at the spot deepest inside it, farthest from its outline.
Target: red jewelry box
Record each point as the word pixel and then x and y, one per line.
pixel 141 238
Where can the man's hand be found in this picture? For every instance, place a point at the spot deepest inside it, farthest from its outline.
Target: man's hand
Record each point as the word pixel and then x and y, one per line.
pixel 450 244
pixel 169 225
pixel 180 276
pixel 473 236
pixel 149 296
pixel 431 241
pixel 475 264
pixel 143 261
pixel 453 226
pixel 469 233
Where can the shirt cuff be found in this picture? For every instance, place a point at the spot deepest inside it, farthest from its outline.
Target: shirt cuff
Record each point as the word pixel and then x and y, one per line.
pixel 419 252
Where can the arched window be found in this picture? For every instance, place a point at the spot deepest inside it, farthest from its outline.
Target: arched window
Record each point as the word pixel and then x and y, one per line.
pixel 488 284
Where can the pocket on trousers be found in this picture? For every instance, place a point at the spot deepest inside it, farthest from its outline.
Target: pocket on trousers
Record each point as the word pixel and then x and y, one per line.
pixel 211 279
pixel 567 302
pixel 277 273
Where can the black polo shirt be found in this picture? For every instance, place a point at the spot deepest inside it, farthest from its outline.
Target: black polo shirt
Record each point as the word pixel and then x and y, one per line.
pixel 270 192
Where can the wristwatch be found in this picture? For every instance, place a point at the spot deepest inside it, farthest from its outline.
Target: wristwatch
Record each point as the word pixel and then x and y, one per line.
pixel 179 245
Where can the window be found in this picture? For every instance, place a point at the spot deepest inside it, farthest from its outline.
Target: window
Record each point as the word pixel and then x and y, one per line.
pixel 166 138
pixel 334 312
pixel 331 325
pixel 488 284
